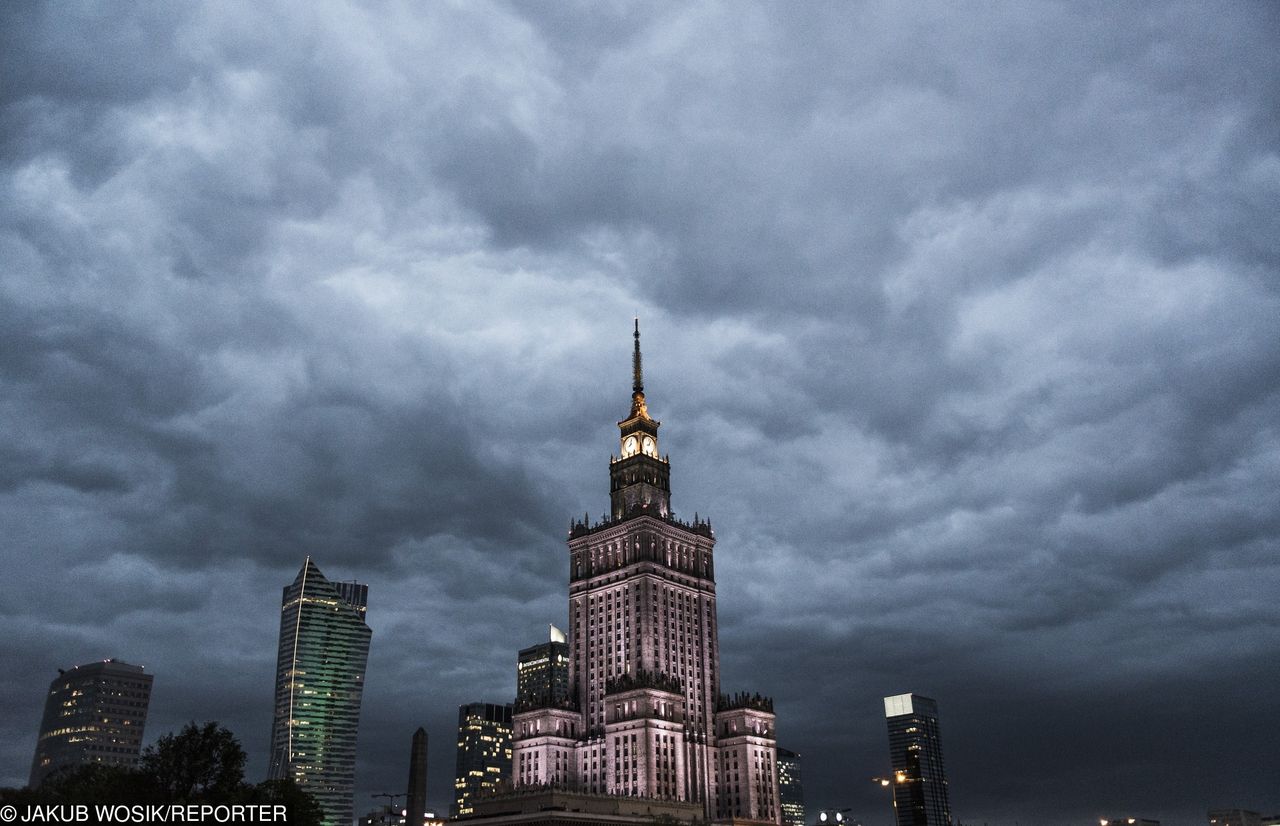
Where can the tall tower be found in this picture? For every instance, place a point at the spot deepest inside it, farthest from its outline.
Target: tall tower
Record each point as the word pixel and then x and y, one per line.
pixel 649 718
pixel 320 665
pixel 416 798
pixel 919 783
pixel 93 713
pixel 790 788
pixel 542 671
pixel 484 753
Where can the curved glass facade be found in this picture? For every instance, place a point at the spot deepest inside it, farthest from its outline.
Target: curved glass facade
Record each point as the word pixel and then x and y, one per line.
pixel 324 648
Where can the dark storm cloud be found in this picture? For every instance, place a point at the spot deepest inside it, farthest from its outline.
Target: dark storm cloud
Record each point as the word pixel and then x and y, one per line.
pixel 963 324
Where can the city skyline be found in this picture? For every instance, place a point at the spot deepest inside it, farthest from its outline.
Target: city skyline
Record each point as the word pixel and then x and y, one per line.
pixel 965 321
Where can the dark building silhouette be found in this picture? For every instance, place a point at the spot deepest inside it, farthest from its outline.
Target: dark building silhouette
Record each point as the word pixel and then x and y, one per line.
pixel 790 791
pixel 416 798
pixel 93 713
pixel 1238 817
pixel 320 666
pixel 919 782
pixel 484 753
pixel 647 719
pixel 542 672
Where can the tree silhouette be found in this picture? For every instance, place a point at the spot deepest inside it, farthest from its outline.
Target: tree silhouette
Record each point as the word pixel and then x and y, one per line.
pixel 200 764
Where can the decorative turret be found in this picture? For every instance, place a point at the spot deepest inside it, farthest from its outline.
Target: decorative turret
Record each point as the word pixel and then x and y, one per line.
pixel 640 478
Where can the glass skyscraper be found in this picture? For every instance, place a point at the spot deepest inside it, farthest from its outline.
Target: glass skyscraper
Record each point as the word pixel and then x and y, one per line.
pixel 93 713
pixel 324 647
pixel 542 671
pixel 919 783
pixel 790 790
pixel 484 753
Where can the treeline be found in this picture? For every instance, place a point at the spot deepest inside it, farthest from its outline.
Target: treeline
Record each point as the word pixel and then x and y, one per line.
pixel 200 764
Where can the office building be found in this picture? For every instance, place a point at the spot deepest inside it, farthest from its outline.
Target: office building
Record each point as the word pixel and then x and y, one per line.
pixel 320 667
pixel 920 796
pixel 790 791
pixel 484 753
pixel 415 807
pixel 647 717
pixel 542 672
pixel 93 713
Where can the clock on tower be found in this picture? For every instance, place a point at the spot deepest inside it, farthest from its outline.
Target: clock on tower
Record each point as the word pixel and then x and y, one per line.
pixel 640 478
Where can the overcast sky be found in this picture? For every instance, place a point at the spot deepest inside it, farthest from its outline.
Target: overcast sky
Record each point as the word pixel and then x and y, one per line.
pixel 962 321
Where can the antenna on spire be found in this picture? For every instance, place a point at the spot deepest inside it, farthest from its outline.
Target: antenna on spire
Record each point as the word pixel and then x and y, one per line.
pixel 637 385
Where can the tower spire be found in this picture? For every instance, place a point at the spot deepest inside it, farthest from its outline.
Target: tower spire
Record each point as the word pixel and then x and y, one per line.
pixel 637 382
pixel 638 407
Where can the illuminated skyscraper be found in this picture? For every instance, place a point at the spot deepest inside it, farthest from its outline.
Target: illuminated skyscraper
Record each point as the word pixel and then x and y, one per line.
pixel 790 791
pixel 542 673
pixel 324 648
pixel 650 720
pixel 484 753
pixel 93 713
pixel 919 783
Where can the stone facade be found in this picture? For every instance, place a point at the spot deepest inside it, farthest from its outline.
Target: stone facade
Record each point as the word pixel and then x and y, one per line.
pixel 646 718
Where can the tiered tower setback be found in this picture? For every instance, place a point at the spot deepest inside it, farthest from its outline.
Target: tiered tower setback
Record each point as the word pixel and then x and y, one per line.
pixel 647 718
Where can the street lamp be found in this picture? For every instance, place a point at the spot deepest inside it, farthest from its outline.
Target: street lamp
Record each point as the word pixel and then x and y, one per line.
pixel 391 805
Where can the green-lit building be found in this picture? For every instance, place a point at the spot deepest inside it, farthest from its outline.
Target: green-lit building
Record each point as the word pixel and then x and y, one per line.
pixel 484 753
pixel 324 647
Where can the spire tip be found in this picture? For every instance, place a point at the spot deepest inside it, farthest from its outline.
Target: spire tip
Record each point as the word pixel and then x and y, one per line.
pixel 637 384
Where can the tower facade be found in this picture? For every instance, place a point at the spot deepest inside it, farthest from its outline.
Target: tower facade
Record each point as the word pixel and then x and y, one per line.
pixel 484 753
pixel 93 713
pixel 646 717
pixel 416 797
pixel 320 665
pixel 542 671
pixel 920 795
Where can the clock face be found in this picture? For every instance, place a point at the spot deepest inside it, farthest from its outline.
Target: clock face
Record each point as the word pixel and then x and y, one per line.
pixel 650 447
pixel 629 446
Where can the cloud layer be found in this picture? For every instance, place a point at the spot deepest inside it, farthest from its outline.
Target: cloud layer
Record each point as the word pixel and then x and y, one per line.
pixel 964 323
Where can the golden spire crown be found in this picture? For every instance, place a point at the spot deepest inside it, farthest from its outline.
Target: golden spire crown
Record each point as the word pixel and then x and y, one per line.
pixel 638 407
